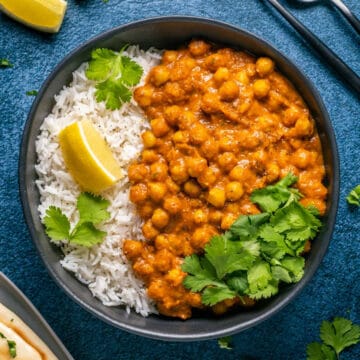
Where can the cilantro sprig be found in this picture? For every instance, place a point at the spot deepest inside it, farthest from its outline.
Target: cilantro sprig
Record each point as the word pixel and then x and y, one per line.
pixel 115 75
pixel 92 211
pixel 336 336
pixel 354 196
pixel 259 251
pixel 5 63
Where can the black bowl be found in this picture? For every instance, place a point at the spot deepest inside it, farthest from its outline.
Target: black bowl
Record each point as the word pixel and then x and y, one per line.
pixel 169 32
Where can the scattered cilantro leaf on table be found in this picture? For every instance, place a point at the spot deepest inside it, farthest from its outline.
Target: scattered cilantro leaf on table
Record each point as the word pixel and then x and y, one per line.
pixel 5 63
pixel 259 251
pixel 225 342
pixel 354 196
pixel 92 211
pixel 32 93
pixel 115 75
pixel 336 336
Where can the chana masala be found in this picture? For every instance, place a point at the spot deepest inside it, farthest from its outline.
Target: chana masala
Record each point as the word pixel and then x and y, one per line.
pixel 223 123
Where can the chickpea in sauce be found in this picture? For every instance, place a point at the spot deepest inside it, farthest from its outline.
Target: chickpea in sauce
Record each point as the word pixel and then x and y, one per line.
pixel 223 124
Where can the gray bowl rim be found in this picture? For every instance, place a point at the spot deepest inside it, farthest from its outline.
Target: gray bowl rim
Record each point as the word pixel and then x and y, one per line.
pixel 331 215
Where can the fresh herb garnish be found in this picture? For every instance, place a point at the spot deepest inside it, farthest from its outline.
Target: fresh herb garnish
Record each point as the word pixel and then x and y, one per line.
pixel 336 336
pixel 32 93
pixel 12 348
pixel 115 74
pixel 225 343
pixel 354 196
pixel 92 210
pixel 5 63
pixel 2 336
pixel 258 251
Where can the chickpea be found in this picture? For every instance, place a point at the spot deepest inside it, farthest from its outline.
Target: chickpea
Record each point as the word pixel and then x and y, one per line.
pixel 215 216
pixel 146 209
pixel 149 231
pixel 196 166
pixel 210 148
pixel 200 216
pixel 237 173
pixel 214 61
pixel 159 75
pixel 227 161
pixel 250 69
pixel 138 193
pixel 303 158
pixel 169 56
pixel 264 66
pixel 137 172
pixel 272 172
pixel 227 143
pixel 290 115
pixel 201 236
pixel 242 77
pixel 163 260
pixel 159 127
pixel 173 187
pixel 208 177
pixel 132 249
pixel 198 133
pixel 149 156
pixel 217 197
pixel 158 171
pixel 234 191
pixel 186 120
pixel 261 88
pixel 160 218
pixel 210 103
pixel 162 242
pixel 172 114
pixel 181 137
pixel 229 91
pixel 172 205
pixel 144 269
pixel 157 191
pixel 143 95
pixel 222 74
pixel 149 139
pixel 178 171
pixel 303 127
pixel 198 47
pixel 192 188
pixel 174 91
pixel 175 277
pixel 227 220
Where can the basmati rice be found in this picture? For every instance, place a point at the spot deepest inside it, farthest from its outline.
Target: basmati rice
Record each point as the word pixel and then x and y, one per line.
pixel 103 268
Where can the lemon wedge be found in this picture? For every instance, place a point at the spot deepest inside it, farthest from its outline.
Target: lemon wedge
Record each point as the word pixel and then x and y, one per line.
pixel 43 15
pixel 88 157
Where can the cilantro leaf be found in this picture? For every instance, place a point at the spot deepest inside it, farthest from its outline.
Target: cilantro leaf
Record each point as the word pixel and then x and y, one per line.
pixel 32 93
pixel 272 197
pixel 86 234
pixel 339 334
pixel 238 283
pixel 318 351
pixel 12 348
pixel 247 226
pixel 5 63
pixel 92 208
pixel 354 196
pixel 57 225
pixel 259 276
pixel 115 74
pixel 225 343
pixel 214 294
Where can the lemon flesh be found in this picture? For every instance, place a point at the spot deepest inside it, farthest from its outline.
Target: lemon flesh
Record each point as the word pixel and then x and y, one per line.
pixel 88 157
pixel 43 15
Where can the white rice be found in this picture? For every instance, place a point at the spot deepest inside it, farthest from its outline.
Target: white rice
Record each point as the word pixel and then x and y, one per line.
pixel 104 268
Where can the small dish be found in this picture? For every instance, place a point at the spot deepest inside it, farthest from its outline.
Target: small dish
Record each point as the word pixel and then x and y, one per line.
pixel 17 302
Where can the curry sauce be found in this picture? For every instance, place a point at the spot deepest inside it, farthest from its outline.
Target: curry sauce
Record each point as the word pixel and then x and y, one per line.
pixel 223 124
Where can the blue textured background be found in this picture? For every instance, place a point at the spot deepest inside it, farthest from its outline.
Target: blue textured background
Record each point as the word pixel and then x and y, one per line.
pixel 334 290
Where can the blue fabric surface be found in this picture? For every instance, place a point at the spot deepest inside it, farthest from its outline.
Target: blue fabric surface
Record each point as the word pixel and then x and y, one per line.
pixel 335 288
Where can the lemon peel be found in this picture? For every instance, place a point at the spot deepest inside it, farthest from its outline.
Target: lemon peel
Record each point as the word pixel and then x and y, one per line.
pixel 88 157
pixel 43 15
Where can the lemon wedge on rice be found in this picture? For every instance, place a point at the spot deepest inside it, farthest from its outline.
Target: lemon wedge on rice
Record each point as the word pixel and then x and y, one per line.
pixel 43 15
pixel 88 157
